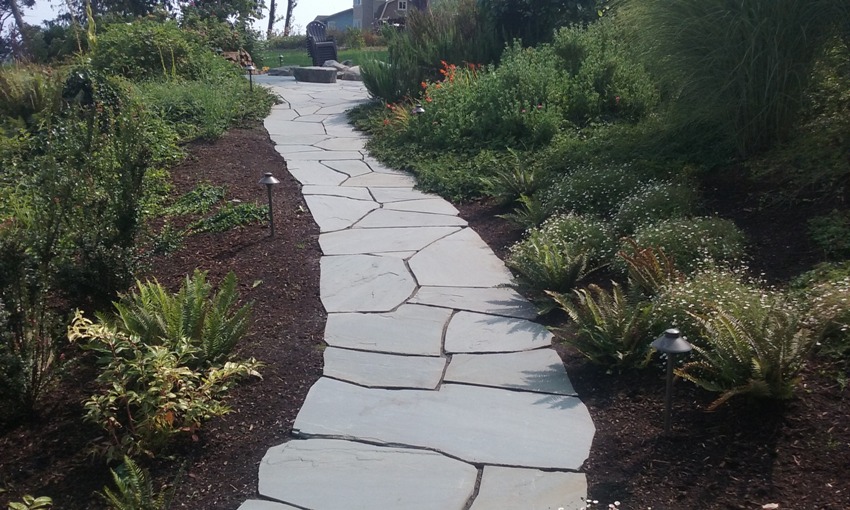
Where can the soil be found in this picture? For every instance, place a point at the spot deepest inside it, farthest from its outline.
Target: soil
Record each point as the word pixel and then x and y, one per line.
pixel 744 455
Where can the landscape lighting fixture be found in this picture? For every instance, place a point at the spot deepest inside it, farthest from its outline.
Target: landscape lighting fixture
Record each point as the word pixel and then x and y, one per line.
pixel 268 180
pixel 250 68
pixel 670 343
pixel 418 110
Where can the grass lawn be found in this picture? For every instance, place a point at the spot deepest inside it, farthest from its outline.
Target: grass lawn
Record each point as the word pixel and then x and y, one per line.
pixel 299 57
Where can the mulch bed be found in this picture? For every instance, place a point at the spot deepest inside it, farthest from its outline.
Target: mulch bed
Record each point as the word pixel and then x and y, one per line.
pixel 743 455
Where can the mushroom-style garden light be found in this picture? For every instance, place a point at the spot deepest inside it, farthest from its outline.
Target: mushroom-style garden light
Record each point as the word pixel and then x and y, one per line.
pixel 268 180
pixel 418 110
pixel 250 68
pixel 670 343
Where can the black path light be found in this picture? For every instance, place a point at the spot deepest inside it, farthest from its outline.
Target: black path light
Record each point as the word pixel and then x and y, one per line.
pixel 418 110
pixel 670 343
pixel 269 181
pixel 250 68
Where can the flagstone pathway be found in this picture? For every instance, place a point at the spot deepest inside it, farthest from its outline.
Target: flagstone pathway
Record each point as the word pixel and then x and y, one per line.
pixel 438 392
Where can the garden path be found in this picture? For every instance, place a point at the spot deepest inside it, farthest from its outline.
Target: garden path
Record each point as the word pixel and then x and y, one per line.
pixel 438 392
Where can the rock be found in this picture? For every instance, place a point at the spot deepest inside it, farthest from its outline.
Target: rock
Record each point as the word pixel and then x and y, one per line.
pixel 351 74
pixel 315 74
pixel 281 71
pixel 336 65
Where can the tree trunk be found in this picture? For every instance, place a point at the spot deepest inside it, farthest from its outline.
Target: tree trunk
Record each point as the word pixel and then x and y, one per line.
pixel 290 6
pixel 271 19
pixel 19 21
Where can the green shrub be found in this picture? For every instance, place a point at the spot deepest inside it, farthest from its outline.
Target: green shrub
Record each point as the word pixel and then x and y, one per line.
pixel 595 189
pixel 575 233
pixel 148 49
pixel 231 216
pixel 655 202
pixel 199 200
pixel 692 241
pixel 756 352
pixel 612 330
pixel 529 212
pixel 389 81
pixel 513 177
pixel 287 42
pixel 650 270
pixel 678 302
pixel 210 322
pixel 832 234
pixel 828 314
pixel 149 394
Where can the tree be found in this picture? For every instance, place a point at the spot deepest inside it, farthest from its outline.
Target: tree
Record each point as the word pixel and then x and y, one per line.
pixel 11 7
pixel 272 13
pixel 290 6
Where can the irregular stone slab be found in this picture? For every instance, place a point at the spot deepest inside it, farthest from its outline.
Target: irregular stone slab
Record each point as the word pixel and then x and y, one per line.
pixel 320 155
pixel 477 332
pixel 379 167
pixel 314 74
pixel 363 283
pixel 493 300
pixel 256 504
pixel 313 172
pixel 290 127
pixel 386 195
pixel 378 180
pixel 326 474
pixel 336 109
pixel 337 191
pixel 352 168
pixel 540 371
pixel 529 489
pixel 459 260
pixel 430 205
pixel 472 423
pixel 383 370
pixel 397 254
pixel 337 213
pixel 297 139
pixel 377 240
pixel 386 218
pixel 342 144
pixel 412 329
pixel 312 118
pixel 286 150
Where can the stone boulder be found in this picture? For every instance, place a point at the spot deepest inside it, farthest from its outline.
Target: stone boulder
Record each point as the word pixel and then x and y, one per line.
pixel 315 74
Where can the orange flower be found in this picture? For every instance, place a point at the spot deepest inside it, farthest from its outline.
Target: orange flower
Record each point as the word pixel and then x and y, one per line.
pixel 428 99
pixel 386 122
pixel 439 86
pixel 424 85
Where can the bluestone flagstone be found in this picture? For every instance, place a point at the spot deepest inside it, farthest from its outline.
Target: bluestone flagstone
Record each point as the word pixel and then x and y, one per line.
pixel 540 371
pixel 476 332
pixel 387 195
pixel 505 488
pixel 412 329
pixel 363 283
pixel 387 218
pixel 312 118
pixel 350 167
pixel 486 425
pixel 459 260
pixel 430 205
pixel 292 127
pixel 323 155
pixel 383 370
pixel 492 300
pixel 377 240
pixel 296 140
pixel 326 474
pixel 313 172
pixel 256 504
pixel 379 180
pixel 337 191
pixel 337 213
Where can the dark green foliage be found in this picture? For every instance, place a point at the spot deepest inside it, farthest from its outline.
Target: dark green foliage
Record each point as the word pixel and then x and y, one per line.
pixel 231 216
pixel 134 489
pixel 832 234
pixel 199 200
pixel 535 21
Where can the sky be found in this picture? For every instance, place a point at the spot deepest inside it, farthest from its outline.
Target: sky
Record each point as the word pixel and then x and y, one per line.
pixel 305 11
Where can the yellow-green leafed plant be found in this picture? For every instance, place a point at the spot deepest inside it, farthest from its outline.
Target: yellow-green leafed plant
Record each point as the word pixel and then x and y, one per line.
pixel 31 503
pixel 759 356
pixel 611 330
pixel 134 490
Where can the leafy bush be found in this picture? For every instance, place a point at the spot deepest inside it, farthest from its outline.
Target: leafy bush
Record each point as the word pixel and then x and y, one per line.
pixel 650 269
pixel 197 201
pixel 655 202
pixel 148 49
pixel 210 322
pixel 513 178
pixel 287 42
pixel 612 330
pixel 832 234
pixel 529 212
pixel 148 394
pixel 575 233
pixel 692 241
pixel 755 352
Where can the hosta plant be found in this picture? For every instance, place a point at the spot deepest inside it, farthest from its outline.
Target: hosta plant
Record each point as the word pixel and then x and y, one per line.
pixel 612 330
pixel 759 355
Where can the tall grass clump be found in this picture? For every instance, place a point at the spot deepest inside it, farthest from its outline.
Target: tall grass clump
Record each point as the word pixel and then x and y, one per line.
pixel 742 65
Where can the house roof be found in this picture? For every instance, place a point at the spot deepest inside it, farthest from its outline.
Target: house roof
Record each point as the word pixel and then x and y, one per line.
pixel 323 17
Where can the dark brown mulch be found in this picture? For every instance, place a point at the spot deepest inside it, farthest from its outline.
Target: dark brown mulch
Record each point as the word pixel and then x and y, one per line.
pixel 744 455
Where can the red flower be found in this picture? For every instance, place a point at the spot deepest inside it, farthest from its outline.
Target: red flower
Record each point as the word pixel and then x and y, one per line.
pixel 424 85
pixel 428 99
